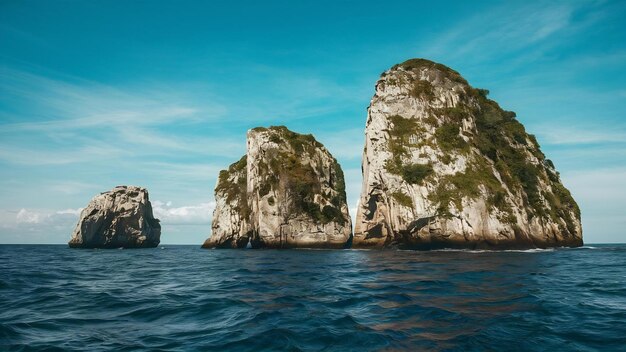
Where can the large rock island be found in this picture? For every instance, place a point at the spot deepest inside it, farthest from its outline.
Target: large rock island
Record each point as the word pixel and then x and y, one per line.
pixel 120 218
pixel 286 192
pixel 445 166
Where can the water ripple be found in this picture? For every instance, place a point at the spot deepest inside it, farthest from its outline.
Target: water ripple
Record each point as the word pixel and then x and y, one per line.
pixel 185 298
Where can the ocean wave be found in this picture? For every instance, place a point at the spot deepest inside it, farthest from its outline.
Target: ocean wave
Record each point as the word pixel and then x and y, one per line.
pixel 187 298
pixel 465 250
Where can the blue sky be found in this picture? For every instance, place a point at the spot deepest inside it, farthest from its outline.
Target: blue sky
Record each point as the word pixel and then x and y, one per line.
pixel 94 94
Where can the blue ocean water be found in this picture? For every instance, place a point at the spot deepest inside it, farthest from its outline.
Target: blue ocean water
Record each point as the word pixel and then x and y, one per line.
pixel 181 298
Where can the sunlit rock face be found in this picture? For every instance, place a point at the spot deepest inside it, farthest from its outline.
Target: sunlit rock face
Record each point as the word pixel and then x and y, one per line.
pixel 120 218
pixel 445 166
pixel 286 192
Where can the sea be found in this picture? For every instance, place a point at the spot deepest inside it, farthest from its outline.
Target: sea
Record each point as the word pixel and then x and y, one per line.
pixel 184 298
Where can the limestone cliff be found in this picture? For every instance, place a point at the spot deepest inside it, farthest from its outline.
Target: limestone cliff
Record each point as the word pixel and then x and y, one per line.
pixel 120 218
pixel 231 218
pixel 287 192
pixel 445 166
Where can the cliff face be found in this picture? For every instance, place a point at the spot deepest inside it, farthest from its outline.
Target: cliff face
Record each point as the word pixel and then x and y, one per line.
pixel 287 192
pixel 444 166
pixel 231 226
pixel 118 218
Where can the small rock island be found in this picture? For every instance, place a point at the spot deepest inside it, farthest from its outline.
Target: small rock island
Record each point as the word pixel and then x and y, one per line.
pixel 444 166
pixel 120 218
pixel 286 192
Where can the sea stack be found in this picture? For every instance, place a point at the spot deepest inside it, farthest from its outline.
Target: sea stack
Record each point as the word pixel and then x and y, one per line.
pixel 445 167
pixel 120 218
pixel 286 192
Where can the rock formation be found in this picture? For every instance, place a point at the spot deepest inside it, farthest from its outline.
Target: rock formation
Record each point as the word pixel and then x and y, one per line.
pixel 286 192
pixel 121 217
pixel 445 166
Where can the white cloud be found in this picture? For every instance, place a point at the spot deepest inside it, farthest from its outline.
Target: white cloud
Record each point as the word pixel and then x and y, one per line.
pixel 55 226
pixel 165 211
pixel 33 219
pixel 188 214
pixel 27 217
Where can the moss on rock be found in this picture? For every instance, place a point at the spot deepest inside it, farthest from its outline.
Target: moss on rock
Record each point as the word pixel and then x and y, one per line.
pixel 232 184
pixel 402 199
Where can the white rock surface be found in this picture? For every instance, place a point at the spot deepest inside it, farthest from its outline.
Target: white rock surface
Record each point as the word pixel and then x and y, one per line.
pixel 508 196
pixel 231 216
pixel 293 196
pixel 120 218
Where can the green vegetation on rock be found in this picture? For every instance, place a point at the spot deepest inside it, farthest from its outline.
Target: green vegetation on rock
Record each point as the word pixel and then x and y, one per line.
pixel 449 138
pixel 339 184
pixel 399 143
pixel 300 180
pixel 265 189
pixel 413 64
pixel 453 188
pixel 401 131
pixel 299 142
pixel 504 143
pixel 402 199
pixel 411 173
pixel 235 189
pixel 415 173
pixel 423 89
pixel 504 140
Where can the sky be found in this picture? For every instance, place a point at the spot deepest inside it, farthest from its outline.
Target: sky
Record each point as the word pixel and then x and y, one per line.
pixel 160 94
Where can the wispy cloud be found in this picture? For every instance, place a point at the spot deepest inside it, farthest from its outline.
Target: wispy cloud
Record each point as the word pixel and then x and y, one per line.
pixel 67 187
pixel 72 103
pixel 558 134
pixel 502 27
pixel 187 171
pixel 83 120
pixel 30 156
pixel 516 34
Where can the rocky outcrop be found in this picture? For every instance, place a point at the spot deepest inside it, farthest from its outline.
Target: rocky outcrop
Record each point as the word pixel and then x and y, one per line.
pixel 120 218
pixel 445 166
pixel 287 192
